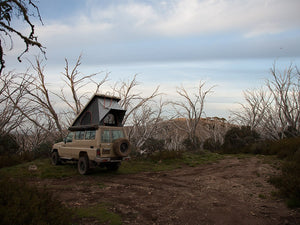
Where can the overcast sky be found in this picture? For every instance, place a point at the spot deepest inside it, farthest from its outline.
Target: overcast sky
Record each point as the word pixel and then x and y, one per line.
pixel 228 43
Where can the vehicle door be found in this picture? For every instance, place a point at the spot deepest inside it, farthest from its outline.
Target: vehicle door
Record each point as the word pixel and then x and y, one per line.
pixel 80 144
pixel 90 143
pixel 66 148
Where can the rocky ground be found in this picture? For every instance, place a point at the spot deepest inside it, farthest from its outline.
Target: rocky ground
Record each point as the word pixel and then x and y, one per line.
pixel 230 191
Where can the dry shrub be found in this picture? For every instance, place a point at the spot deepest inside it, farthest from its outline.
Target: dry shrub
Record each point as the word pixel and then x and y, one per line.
pixel 21 204
pixel 166 155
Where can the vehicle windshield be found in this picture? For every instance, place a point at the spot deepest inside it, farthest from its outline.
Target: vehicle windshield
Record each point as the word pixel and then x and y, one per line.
pixel 69 138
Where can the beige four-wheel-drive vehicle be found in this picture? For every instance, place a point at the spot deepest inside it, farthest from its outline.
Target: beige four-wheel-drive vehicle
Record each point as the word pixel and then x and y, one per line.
pixel 96 137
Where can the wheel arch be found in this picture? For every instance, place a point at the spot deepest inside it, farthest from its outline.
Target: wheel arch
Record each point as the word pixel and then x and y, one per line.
pixel 82 154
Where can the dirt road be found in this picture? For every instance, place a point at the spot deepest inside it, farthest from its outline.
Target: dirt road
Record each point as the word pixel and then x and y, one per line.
pixel 231 191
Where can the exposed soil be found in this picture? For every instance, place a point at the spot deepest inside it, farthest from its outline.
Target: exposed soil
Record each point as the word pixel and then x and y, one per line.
pixel 230 191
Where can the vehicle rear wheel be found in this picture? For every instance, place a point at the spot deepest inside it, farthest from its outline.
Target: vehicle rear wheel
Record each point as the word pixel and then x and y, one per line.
pixel 55 158
pixel 83 165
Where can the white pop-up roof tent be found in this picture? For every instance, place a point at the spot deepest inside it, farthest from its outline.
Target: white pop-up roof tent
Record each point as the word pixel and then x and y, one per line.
pixel 100 110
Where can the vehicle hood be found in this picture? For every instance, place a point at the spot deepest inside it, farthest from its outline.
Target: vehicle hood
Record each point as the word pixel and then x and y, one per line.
pixel 58 144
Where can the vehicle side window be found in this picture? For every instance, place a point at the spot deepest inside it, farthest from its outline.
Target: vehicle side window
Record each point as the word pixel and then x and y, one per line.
pixel 90 134
pixel 116 134
pixel 105 137
pixel 69 138
pixel 79 135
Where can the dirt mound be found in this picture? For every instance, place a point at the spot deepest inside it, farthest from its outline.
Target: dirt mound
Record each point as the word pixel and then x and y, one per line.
pixel 231 191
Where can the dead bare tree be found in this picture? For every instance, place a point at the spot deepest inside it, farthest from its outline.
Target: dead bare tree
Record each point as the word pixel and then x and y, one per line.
pixel 173 138
pixel 39 94
pixel 11 87
pixel 19 113
pixel 257 112
pixel 214 128
pixel 257 102
pixel 285 89
pixel 145 123
pixel 131 100
pixel 274 110
pixel 29 100
pixel 30 137
pixel 27 105
pixel 191 109
pixel 75 82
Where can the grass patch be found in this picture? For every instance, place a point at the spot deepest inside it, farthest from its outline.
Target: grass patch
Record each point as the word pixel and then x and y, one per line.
pixel 239 155
pixel 155 164
pixel 100 213
pixel 160 162
pixel 44 169
pixel 262 196
pixel 192 159
pixel 101 185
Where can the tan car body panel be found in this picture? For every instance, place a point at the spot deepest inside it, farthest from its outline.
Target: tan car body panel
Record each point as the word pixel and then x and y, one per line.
pixel 72 150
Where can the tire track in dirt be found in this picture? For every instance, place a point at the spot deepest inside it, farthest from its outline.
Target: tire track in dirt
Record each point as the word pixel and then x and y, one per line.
pixel 231 191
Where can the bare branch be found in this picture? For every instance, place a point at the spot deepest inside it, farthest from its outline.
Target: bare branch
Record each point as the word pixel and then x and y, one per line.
pixel 76 82
pixel 130 99
pixel 17 9
pixel 274 112
pixel 190 109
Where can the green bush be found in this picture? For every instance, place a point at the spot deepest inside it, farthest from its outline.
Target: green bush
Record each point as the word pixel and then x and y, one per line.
pixel 43 150
pixel 11 157
pixel 286 148
pixel 10 154
pixel 21 204
pixel 15 159
pixel 8 144
pixel 9 160
pixel 212 145
pixel 288 183
pixel 152 145
pixel 190 145
pixel 238 139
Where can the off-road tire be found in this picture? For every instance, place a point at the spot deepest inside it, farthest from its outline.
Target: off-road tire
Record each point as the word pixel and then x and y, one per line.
pixel 121 147
pixel 83 165
pixel 113 166
pixel 55 158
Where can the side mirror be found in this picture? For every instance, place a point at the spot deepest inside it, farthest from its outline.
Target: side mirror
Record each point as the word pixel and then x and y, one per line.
pixel 65 140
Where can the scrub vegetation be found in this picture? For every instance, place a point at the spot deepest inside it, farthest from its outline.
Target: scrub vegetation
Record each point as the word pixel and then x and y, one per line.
pixel 24 204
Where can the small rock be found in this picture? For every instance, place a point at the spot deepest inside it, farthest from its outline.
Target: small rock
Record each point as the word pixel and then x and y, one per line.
pixel 32 168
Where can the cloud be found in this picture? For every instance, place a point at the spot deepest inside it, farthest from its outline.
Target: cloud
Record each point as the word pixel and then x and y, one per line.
pixel 173 30
pixel 195 17
pixel 251 18
pixel 121 19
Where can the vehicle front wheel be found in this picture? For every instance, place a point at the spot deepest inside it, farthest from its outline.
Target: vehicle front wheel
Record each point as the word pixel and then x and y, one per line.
pixel 83 165
pixel 55 158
